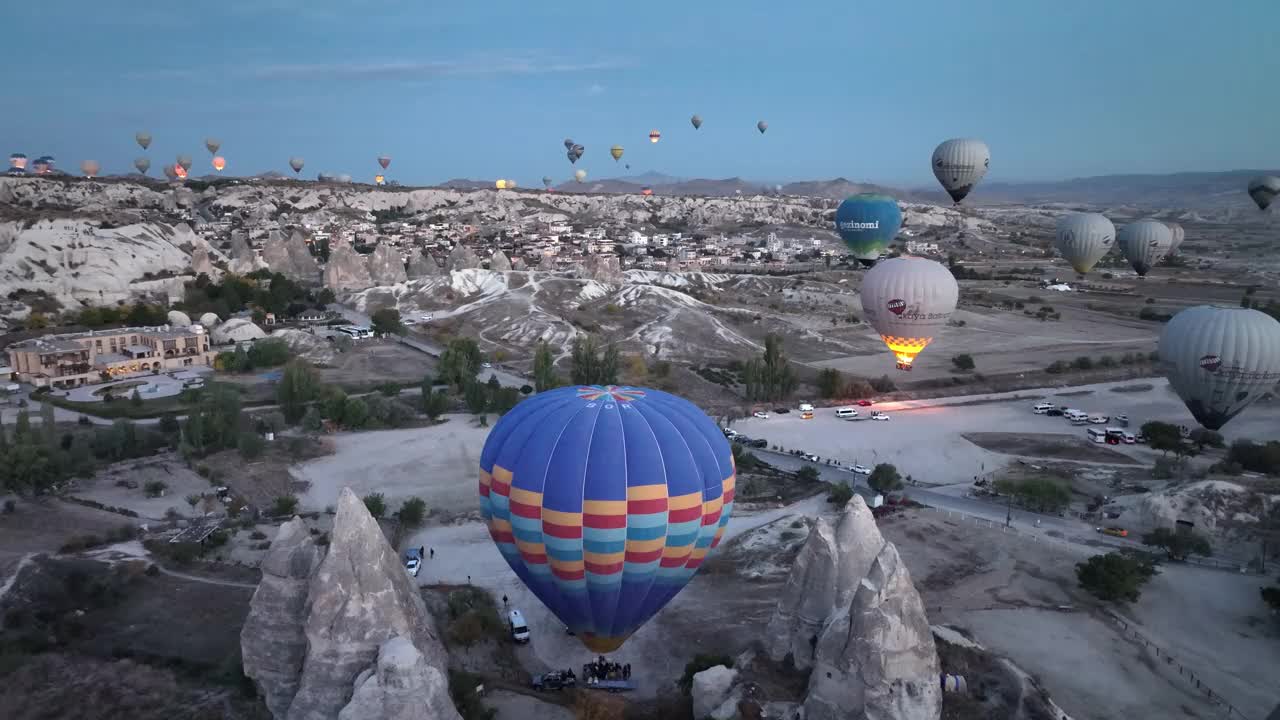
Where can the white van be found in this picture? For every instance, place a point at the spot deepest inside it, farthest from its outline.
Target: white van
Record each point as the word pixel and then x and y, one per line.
pixel 806 407
pixel 846 413
pixel 519 630
pixel 1077 417
pixel 1097 435
pixel 1042 408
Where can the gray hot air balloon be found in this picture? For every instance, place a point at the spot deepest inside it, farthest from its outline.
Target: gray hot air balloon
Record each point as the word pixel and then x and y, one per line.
pixel 1220 359
pixel 568 143
pixel 572 158
pixel 296 163
pixel 90 168
pixel 142 164
pixel 1178 234
pixel 580 175
pixel 908 300
pixel 1263 189
pixel 143 139
pixel 212 145
pixel 960 164
pixel 185 162
pixel 1083 238
pixel 1144 243
pixel 547 181
pixel 697 121
pixel 578 150
pixel 762 126
pixel 170 173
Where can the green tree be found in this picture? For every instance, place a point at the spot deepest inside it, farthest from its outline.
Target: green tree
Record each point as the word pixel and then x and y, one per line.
pixel 1038 494
pixel 169 424
pixel 284 505
pixel 311 422
pixel 333 402
pixel 1115 577
pixel 1163 436
pixel 325 297
pixel 477 399
pixel 840 494
pixel 1178 544
pixel 544 368
pixel 250 444
pixel 460 362
pixel 376 503
pixel 769 377
pixel 298 386
pixel 1204 436
pixel 808 474
pixel 412 512
pixel 434 403
pixel 268 352
pixel 503 400
pixel 1271 596
pixel 355 413
pixel 591 364
pixel 136 398
pixel 830 383
pixel 22 427
pixel 963 362
pixel 387 322
pixel 884 478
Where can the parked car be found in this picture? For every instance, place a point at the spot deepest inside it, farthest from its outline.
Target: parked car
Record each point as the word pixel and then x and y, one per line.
pixel 864 403
pixel 781 411
pixel 425 318
pixel 1121 420
pixel 846 413
pixel 413 561
pixel 760 414
pixel 519 629
pixel 877 415
pixel 861 470
pixel 758 443
pixel 1053 412
pixel 1114 531
pixel 1098 419
pixel 1042 408
pixel 810 457
pixel 730 432
pixel 1129 438
pixel 554 680
pixel 806 415
pixel 486 365
pixel 1140 438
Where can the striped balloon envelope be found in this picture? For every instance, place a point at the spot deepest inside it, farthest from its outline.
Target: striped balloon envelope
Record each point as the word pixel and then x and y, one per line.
pixel 605 500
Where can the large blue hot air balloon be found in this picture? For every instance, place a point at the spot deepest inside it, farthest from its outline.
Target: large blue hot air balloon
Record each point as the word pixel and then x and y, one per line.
pixel 867 223
pixel 605 500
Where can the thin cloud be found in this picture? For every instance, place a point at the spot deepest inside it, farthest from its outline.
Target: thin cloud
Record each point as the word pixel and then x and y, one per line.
pixel 391 70
pixel 596 89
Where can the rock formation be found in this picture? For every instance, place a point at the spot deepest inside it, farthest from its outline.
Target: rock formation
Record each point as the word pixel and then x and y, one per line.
pixel 823 578
pixel 201 264
pixel 272 641
pixel 673 265
pixel 461 258
pixel 499 261
pixel 518 264
pixel 605 268
pixel 874 657
pixel 422 265
pixel 385 266
pixel 346 269
pixel 712 690
pixel 290 258
pixel 394 689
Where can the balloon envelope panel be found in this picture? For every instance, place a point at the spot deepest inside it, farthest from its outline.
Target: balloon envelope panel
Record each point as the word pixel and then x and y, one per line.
pixel 605 501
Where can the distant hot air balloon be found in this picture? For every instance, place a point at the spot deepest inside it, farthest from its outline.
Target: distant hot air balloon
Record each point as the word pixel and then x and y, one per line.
pixel 908 300
pixel 868 223
pixel 384 161
pixel 646 191
pixel 296 163
pixel 1144 243
pixel 212 145
pixel 185 162
pixel 605 501
pixel 580 175
pixel 1263 189
pixel 697 121
pixel 179 172
pixel 1179 234
pixel 547 181
pixel 500 184
pixel 654 136
pixel 43 165
pixel 572 158
pixel 616 152
pixel 762 126
pixel 959 164
pixel 142 164
pixel 1083 238
pixel 18 161
pixel 143 139
pixel 171 172
pixel 578 150
pixel 379 180
pixel 628 166
pixel 1220 359
pixel 219 163
pixel 568 143
pixel 90 168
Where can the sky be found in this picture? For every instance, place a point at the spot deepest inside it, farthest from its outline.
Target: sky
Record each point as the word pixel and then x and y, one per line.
pixel 481 90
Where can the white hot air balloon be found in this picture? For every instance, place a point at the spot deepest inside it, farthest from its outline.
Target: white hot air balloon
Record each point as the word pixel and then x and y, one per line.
pixel 960 164
pixel 908 300
pixel 1179 234
pixel 580 175
pixel 1144 243
pixel 1220 359
pixel 1083 238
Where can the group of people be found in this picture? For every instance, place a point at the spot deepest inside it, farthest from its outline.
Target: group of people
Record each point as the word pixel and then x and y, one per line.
pixel 601 669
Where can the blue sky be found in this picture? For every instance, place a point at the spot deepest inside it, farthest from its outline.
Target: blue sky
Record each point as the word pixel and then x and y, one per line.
pixel 491 89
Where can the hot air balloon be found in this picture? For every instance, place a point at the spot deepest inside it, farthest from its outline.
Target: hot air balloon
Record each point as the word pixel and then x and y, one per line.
pixel 90 168
pixel 1083 238
pixel 379 180
pixel 762 126
pixel 384 161
pixel 568 143
pixel 616 152
pixel 296 163
pixel 908 300
pixel 500 184
pixel 959 164
pixel 578 150
pixel 580 175
pixel 142 164
pixel 868 223
pixel 143 139
pixel 179 172
pixel 697 121
pixel 1144 243
pixel 171 172
pixel 219 163
pixel 646 191
pixel 43 165
pixel 212 145
pixel 572 158
pixel 1179 234
pixel 547 181
pixel 185 162
pixel 1220 359
pixel 605 501
pixel 18 161
pixel 1263 189
pixel 654 136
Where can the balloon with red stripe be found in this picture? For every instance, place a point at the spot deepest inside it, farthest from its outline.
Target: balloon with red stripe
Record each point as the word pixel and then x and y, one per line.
pixel 605 500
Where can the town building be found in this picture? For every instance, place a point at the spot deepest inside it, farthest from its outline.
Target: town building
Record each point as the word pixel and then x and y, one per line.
pixel 74 359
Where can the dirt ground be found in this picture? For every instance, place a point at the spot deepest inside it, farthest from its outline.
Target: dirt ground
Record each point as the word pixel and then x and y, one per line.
pixel 43 525
pixel 1049 445
pixel 375 361
pixel 262 480
pixel 169 469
